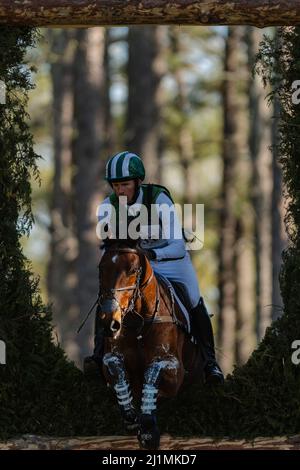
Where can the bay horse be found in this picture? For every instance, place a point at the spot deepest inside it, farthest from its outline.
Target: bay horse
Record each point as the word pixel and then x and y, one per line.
pixel 147 352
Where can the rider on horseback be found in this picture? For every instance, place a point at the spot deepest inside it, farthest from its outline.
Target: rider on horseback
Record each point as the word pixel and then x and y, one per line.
pixel 169 257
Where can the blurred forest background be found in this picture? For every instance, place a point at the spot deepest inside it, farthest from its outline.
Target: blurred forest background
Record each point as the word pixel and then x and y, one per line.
pixel 185 99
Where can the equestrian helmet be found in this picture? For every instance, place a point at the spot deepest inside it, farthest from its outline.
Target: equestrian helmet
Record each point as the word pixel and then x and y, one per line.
pixel 124 166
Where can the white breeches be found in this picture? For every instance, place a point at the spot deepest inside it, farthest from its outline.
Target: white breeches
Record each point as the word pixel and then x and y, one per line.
pixel 181 271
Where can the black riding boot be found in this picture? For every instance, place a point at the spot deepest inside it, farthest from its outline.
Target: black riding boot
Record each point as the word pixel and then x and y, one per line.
pixel 203 333
pixel 92 365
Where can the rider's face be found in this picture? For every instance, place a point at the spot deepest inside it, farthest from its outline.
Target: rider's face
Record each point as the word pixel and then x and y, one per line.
pixel 125 188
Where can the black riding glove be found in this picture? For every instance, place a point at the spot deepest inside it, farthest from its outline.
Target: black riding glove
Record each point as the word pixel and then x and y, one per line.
pixel 151 255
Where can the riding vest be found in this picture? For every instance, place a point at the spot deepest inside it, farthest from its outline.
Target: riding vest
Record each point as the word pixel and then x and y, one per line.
pixel 150 193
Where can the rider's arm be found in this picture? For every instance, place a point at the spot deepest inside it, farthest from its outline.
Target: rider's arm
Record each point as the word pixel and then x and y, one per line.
pixel 171 228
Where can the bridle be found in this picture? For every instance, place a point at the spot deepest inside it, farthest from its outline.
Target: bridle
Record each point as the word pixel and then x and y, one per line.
pixel 137 289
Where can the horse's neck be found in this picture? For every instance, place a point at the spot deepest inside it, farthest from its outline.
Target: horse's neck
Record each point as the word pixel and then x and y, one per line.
pixel 156 298
pixel 150 291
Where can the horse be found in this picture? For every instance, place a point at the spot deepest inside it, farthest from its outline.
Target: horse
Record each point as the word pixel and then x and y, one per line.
pixel 148 352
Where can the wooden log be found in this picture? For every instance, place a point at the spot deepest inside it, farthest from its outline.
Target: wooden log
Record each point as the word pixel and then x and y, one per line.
pixel 84 13
pixel 31 442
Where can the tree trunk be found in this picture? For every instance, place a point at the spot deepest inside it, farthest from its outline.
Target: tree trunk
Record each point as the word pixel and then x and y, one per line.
pixel 115 12
pixel 245 288
pixel 185 144
pixel 88 169
pixel 110 132
pixel 145 70
pixel 245 338
pixel 228 221
pixel 61 277
pixel 259 143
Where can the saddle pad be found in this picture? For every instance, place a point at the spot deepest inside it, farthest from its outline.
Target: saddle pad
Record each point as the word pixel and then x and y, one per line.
pixel 183 309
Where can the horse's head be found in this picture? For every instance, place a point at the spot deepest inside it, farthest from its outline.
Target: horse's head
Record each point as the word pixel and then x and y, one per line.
pixel 120 274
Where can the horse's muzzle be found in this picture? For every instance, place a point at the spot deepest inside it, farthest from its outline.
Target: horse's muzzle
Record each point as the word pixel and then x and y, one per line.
pixel 107 310
pixel 108 307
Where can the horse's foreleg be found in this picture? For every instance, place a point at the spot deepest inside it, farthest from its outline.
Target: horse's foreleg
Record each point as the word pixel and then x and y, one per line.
pixel 115 364
pixel 148 433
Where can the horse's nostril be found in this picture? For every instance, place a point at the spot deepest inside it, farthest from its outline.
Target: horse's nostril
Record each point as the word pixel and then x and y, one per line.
pixel 115 326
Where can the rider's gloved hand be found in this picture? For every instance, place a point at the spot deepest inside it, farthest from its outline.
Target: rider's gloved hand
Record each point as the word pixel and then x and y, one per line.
pixel 151 255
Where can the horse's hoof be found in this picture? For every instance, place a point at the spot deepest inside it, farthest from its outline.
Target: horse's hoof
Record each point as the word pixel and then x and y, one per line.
pixel 130 420
pixel 148 433
pixel 131 427
pixel 149 441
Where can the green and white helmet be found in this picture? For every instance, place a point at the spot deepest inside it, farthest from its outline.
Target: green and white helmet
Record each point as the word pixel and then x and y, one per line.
pixel 124 166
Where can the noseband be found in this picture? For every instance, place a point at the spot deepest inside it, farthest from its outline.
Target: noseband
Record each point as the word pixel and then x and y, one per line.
pixel 137 288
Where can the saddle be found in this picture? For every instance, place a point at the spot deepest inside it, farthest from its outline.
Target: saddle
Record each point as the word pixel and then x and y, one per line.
pixel 179 294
